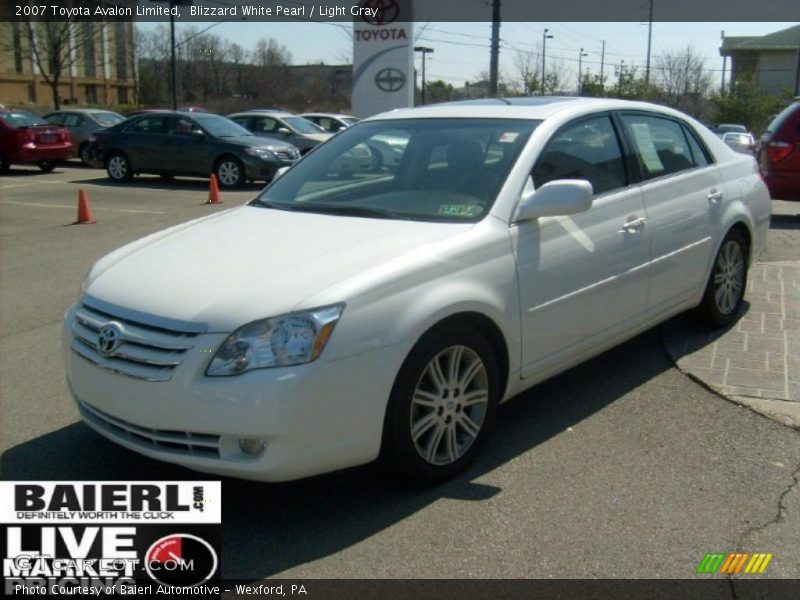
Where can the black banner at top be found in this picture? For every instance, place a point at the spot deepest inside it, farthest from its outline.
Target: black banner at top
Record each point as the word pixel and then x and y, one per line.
pixel 382 10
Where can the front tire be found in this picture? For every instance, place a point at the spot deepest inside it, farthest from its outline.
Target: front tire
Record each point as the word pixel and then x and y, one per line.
pixel 5 166
pixel 442 406
pixel 229 172
pixel 727 283
pixel 119 168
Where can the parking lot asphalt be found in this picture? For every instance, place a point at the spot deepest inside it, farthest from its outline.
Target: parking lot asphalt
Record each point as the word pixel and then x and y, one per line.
pixel 622 467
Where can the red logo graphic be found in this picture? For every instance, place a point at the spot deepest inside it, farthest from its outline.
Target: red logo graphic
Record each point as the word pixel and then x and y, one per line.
pixel 181 559
pixel 388 11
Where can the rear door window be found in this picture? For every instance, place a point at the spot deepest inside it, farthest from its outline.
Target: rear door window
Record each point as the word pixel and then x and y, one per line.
pixel 73 120
pixel 148 125
pixel 700 156
pixel 659 144
pixel 777 122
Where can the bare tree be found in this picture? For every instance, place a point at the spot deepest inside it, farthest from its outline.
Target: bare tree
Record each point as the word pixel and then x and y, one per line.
pixel 55 46
pixel 683 79
pixel 273 77
pixel 528 67
pixel 153 53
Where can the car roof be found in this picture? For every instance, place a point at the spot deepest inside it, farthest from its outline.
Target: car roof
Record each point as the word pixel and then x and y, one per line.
pixel 270 112
pixel 81 110
pixel 538 108
pixel 325 114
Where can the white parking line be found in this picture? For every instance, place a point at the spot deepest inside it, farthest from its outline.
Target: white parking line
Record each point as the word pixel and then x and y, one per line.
pixel 5 187
pixel 122 210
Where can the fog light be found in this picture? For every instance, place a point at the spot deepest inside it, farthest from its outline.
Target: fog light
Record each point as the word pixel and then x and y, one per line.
pixel 252 446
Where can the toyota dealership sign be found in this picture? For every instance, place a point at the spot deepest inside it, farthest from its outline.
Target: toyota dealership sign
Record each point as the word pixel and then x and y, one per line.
pixel 383 57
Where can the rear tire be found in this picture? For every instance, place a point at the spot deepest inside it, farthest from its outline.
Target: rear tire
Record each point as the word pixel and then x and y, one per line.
pixel 119 168
pixel 727 283
pixel 442 406
pixel 5 166
pixel 47 165
pixel 84 155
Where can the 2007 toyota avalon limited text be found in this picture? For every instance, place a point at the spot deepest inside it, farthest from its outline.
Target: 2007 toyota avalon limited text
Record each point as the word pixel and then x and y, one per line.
pixel 384 312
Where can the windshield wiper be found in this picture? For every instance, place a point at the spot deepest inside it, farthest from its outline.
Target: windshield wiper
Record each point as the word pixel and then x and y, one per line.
pixel 333 209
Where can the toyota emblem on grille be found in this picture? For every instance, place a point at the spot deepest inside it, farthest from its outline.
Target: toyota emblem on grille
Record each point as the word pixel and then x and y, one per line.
pixel 109 339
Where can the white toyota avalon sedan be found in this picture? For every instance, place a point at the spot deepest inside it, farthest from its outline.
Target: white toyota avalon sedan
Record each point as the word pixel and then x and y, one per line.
pixel 385 313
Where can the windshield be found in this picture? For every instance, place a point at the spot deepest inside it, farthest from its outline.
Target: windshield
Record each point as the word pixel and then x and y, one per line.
pixel 737 138
pixel 301 125
pixel 107 119
pixel 731 128
pixel 781 117
pixel 433 169
pixel 22 118
pixel 220 126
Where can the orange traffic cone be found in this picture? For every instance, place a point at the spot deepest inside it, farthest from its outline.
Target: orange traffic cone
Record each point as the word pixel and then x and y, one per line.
pixel 84 210
pixel 213 191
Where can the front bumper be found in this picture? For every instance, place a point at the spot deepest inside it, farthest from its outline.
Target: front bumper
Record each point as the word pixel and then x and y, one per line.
pixel 314 418
pixel 259 168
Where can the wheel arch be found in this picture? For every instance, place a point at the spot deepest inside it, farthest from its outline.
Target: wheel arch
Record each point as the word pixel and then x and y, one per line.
pixel 490 330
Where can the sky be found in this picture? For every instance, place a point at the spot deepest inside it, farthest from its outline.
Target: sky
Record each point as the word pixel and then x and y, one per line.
pixel 461 50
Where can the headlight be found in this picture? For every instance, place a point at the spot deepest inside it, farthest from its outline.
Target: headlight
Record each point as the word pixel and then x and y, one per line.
pixel 293 339
pixel 260 152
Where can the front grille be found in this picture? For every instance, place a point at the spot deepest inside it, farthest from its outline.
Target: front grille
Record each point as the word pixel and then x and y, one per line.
pixel 287 154
pixel 144 351
pixel 178 442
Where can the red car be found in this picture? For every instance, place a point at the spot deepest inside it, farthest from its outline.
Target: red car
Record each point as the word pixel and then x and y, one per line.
pixel 779 154
pixel 28 139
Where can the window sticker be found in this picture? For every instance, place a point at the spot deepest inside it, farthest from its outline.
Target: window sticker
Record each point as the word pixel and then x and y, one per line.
pixel 647 148
pixel 509 137
pixel 460 210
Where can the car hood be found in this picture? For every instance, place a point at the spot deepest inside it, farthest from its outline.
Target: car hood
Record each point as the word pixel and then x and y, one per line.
pixel 317 137
pixel 250 263
pixel 252 140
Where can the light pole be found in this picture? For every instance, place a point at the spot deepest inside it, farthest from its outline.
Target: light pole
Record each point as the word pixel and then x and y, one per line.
pixel 545 37
pixel 581 54
pixel 425 51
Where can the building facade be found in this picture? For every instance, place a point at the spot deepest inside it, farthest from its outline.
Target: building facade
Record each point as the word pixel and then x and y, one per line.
pixel 96 64
pixel 772 60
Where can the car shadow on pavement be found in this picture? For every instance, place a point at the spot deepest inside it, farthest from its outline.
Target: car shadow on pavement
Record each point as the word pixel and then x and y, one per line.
pixel 785 221
pixel 155 182
pixel 685 334
pixel 268 528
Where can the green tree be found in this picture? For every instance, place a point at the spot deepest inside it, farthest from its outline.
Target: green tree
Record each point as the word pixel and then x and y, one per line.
pixel 438 91
pixel 748 104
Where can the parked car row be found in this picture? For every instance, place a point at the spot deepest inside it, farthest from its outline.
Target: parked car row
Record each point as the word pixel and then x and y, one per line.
pixel 252 145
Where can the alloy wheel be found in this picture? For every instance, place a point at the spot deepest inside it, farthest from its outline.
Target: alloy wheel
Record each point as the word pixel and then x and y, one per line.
pixel 729 277
pixel 117 167
pixel 449 405
pixel 229 173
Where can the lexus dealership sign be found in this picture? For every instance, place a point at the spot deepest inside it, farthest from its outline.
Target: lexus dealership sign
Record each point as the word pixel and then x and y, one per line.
pixel 383 58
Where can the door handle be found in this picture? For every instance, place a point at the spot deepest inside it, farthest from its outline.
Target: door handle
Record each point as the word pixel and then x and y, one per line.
pixel 633 226
pixel 715 196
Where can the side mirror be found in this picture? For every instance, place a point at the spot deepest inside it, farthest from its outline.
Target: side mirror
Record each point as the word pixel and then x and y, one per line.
pixel 284 131
pixel 197 134
pixel 555 198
